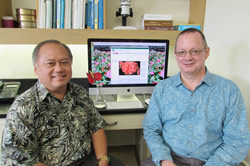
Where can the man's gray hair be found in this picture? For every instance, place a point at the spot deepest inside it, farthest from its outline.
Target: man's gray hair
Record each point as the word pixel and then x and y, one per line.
pixel 35 53
pixel 193 30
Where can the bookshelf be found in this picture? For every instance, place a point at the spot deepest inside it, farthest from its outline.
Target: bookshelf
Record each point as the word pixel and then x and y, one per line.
pixel 76 36
pixel 79 36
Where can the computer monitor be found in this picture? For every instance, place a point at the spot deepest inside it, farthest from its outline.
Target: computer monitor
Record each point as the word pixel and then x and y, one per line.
pixel 128 66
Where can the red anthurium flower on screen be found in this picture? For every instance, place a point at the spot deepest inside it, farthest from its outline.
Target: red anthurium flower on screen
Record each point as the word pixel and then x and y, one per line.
pixel 93 77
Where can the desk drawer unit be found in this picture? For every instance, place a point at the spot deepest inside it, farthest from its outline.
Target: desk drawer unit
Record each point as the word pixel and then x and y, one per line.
pixel 123 121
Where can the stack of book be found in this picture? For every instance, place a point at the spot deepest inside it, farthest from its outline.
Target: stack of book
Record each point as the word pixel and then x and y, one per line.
pixel 26 18
pixel 157 22
pixel 70 14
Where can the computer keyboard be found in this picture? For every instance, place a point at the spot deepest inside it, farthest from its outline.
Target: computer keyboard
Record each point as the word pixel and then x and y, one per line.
pixel 123 105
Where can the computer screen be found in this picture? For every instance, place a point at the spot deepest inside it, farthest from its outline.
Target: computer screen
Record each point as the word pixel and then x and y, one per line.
pixel 128 66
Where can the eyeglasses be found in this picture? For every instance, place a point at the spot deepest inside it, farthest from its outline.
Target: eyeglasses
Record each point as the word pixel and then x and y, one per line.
pixel 193 52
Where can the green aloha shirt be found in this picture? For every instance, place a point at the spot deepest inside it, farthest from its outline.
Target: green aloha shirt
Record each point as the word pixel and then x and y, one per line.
pixel 41 128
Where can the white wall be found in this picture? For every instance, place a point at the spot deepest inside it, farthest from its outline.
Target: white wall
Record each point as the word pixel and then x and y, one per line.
pixel 226 27
pixel 18 63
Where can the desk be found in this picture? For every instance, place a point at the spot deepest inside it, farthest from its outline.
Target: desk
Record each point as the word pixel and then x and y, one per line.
pixel 121 120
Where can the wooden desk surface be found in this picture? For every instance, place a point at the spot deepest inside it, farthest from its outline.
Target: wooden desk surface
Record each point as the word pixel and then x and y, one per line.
pixel 120 121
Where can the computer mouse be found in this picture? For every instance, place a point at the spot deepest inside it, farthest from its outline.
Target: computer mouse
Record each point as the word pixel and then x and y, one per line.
pixel 147 101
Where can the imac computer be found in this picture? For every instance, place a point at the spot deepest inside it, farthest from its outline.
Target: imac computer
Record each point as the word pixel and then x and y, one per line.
pixel 128 66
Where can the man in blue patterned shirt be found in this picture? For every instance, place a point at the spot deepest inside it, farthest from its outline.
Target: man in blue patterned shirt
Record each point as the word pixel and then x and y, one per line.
pixel 195 117
pixel 54 122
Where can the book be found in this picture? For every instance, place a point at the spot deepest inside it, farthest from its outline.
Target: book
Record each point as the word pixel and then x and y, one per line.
pixel 49 6
pixel 158 23
pixel 157 17
pixel 159 28
pixel 58 13
pixel 100 16
pixel 62 12
pixel 89 14
pixel 96 14
pixel 86 15
pixel 186 26
pixel 92 14
pixel 68 14
pixel 78 14
pixel 104 14
pixel 54 5
pixel 82 14
pixel 41 14
pixel 75 15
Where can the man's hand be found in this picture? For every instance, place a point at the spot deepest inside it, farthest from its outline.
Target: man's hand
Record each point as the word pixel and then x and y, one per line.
pixel 167 163
pixel 103 163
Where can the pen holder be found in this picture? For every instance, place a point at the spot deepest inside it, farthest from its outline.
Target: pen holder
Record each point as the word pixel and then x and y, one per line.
pixel 7 22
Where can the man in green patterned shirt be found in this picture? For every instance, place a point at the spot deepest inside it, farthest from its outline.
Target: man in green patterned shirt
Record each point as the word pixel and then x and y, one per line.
pixel 54 122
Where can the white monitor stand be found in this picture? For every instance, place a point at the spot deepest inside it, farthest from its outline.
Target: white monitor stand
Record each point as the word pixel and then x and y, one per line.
pixel 126 97
pixel 125 28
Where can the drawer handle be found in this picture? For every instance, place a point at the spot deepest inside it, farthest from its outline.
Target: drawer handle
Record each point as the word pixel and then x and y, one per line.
pixel 110 124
